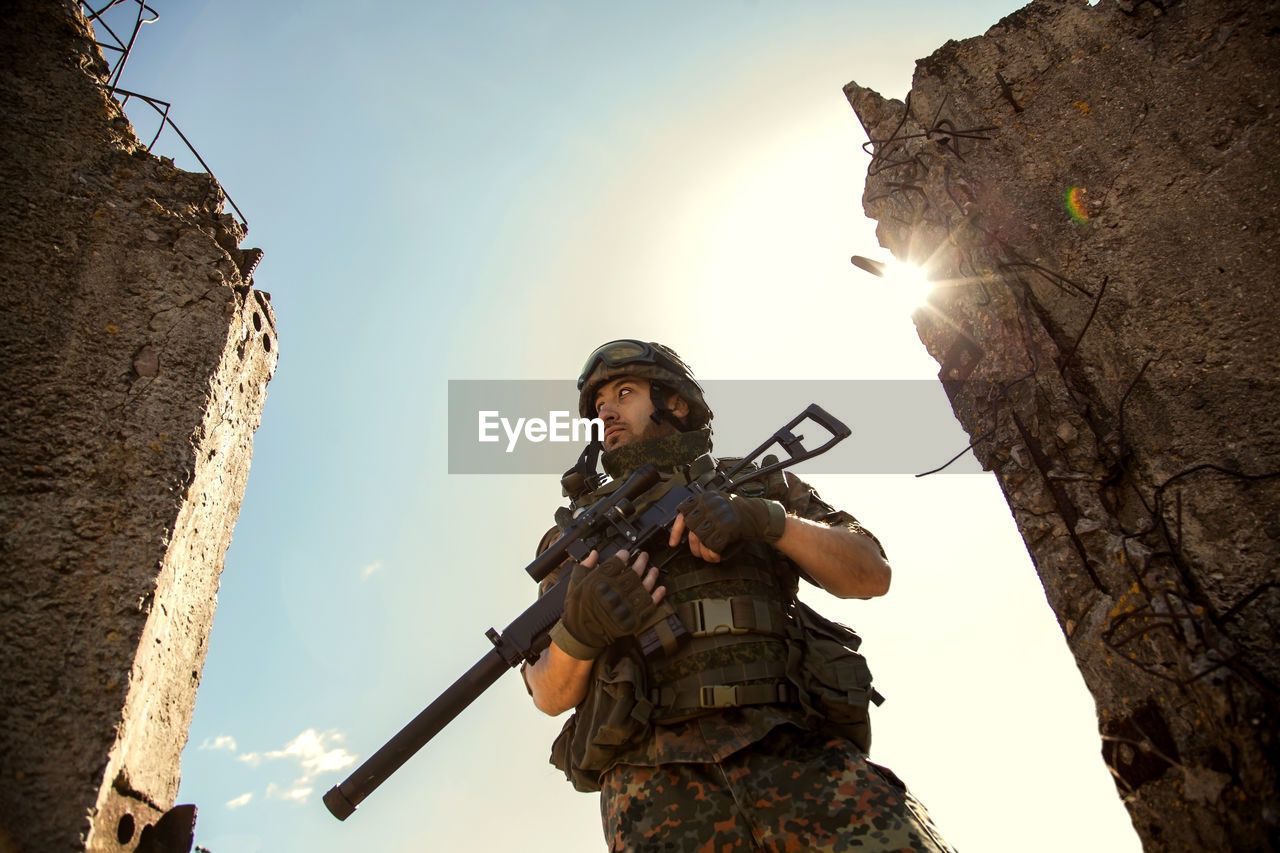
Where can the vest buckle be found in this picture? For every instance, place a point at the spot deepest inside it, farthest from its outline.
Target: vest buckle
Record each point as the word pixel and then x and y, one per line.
pixel 714 616
pixel 718 696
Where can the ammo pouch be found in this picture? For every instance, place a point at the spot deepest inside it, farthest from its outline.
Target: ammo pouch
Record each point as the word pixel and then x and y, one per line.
pixel 833 679
pixel 613 717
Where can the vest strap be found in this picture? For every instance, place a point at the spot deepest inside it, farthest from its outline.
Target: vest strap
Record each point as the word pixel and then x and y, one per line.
pixel 663 636
pixel 706 617
pixel 723 688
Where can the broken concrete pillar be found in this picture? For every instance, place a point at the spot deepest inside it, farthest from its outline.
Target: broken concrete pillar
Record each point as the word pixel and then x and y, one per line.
pixel 134 359
pixel 1094 190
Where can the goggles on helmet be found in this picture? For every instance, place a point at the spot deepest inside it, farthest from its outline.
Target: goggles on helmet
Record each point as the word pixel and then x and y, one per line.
pixel 624 352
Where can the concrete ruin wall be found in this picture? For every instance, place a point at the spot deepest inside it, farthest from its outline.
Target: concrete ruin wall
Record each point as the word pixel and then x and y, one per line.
pixel 134 358
pixel 1094 188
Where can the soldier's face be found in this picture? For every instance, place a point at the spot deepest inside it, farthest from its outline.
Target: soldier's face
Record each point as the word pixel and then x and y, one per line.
pixel 625 407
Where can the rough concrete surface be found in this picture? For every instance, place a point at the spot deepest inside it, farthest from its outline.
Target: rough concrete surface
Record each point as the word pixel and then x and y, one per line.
pixel 134 359
pixel 1094 188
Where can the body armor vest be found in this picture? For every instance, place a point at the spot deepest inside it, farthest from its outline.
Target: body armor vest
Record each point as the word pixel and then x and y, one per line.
pixel 738 612
pixel 752 643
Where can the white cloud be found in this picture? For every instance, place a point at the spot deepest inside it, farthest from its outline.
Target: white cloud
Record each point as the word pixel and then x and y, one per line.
pixel 297 794
pixel 242 800
pixel 370 569
pixel 226 742
pixel 316 753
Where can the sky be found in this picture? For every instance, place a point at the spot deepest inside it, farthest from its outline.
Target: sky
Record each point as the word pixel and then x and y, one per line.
pixel 487 191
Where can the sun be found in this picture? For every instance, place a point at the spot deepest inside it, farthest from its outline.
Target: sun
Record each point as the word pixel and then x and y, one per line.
pixel 899 287
pixel 910 285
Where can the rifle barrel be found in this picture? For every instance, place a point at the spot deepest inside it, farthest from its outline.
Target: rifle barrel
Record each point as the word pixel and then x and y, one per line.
pixel 341 800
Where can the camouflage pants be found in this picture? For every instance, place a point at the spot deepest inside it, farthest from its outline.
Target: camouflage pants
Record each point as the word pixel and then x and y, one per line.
pixel 793 791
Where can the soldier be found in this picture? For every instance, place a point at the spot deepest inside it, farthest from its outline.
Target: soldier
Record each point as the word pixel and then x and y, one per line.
pixel 753 734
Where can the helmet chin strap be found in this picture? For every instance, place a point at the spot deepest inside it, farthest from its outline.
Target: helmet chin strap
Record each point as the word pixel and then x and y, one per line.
pixel 584 477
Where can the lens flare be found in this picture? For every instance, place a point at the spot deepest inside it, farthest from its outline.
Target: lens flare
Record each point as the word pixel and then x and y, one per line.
pixel 1074 201
pixel 901 287
pixel 908 285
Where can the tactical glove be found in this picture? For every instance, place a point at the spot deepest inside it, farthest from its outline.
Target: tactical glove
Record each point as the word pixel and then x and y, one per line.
pixel 719 519
pixel 603 604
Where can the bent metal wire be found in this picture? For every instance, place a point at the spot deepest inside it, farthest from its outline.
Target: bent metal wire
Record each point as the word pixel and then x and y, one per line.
pixel 120 49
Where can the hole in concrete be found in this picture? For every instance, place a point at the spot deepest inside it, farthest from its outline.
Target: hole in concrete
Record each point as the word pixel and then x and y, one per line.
pixel 257 322
pixel 124 830
pixel 266 342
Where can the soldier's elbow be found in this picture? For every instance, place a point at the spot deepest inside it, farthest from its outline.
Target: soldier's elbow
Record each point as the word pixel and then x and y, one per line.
pixel 883 580
pixel 554 700
pixel 549 707
pixel 870 582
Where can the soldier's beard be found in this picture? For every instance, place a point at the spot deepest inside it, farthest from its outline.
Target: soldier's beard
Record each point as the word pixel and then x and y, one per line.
pixel 648 431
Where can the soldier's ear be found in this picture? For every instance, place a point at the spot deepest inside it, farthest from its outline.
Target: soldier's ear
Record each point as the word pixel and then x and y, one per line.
pixel 678 406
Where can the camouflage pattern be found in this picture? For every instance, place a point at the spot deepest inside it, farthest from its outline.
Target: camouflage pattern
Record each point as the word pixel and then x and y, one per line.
pixel 792 791
pixel 714 735
pixel 675 376
pixel 666 452
pixel 740 778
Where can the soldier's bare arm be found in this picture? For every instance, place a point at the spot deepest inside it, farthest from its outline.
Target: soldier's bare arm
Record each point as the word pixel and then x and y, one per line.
pixel 557 681
pixel 845 563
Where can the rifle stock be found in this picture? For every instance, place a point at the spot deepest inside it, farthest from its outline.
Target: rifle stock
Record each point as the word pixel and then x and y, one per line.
pixel 527 635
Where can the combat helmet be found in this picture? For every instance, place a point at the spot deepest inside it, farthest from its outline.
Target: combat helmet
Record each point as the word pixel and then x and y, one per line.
pixel 659 364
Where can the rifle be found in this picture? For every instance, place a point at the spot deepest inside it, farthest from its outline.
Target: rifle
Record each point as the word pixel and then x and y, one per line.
pixel 609 525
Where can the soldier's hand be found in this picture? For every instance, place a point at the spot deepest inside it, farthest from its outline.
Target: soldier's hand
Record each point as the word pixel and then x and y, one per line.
pixel 605 603
pixel 715 520
pixel 696 547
